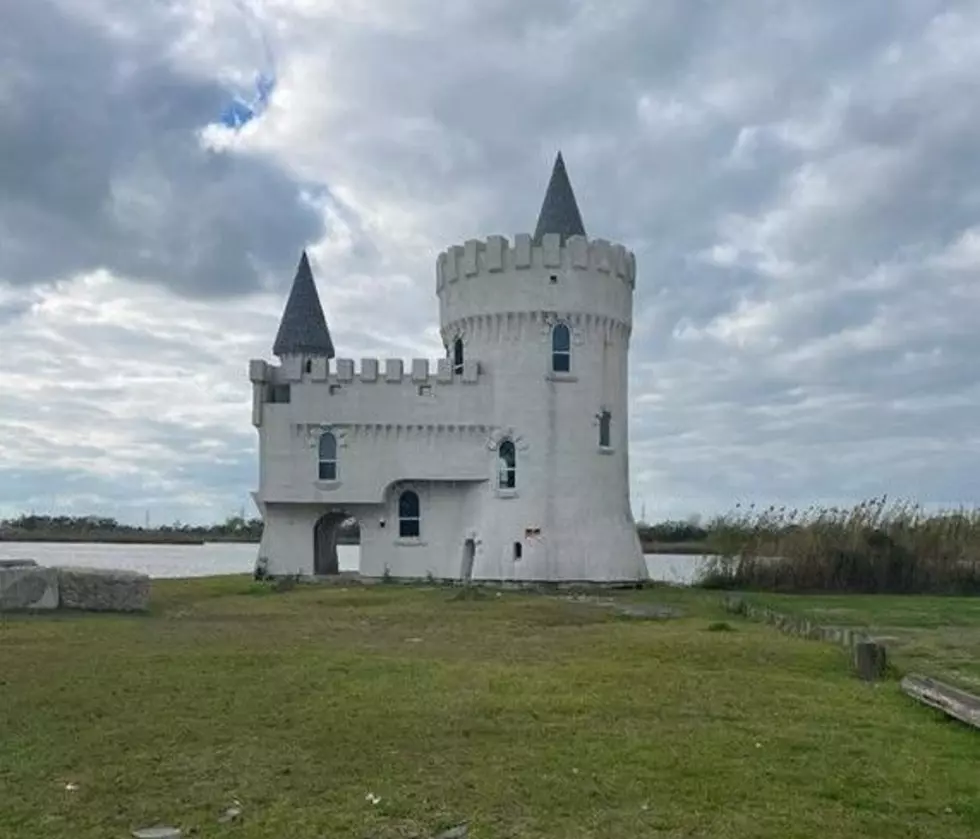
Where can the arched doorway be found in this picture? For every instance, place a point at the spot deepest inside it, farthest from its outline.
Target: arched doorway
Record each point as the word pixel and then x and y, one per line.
pixel 325 533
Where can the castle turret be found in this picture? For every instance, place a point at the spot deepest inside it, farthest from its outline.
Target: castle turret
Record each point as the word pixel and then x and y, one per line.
pixel 303 329
pixel 559 210
pixel 548 317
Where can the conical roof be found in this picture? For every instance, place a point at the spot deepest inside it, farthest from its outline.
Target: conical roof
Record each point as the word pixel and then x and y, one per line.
pixel 559 211
pixel 303 328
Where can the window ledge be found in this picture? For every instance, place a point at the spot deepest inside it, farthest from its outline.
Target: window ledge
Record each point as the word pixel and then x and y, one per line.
pixel 410 542
pixel 606 450
pixel 326 485
pixel 506 493
pixel 561 377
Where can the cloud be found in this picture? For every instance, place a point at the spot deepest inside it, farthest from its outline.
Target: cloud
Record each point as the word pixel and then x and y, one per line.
pixel 103 166
pixel 799 183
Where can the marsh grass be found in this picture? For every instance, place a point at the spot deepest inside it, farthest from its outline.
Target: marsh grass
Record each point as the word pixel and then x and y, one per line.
pixel 874 547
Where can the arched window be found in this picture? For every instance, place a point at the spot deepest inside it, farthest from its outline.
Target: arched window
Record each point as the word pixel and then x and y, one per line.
pixel 458 356
pixel 409 515
pixel 605 419
pixel 561 348
pixel 328 457
pixel 507 465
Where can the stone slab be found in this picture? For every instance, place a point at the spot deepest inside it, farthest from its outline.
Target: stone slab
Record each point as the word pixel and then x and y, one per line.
pixel 157 833
pixel 28 587
pixel 100 590
pixel 17 563
pixel 649 611
pixel 952 701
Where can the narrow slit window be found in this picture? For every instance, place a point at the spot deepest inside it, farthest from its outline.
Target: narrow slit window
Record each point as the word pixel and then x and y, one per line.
pixel 605 421
pixel 409 515
pixel 507 462
pixel 458 356
pixel 518 550
pixel 561 348
pixel 328 457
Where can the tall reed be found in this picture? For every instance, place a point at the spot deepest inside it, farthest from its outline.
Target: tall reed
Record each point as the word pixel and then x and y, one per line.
pixel 875 546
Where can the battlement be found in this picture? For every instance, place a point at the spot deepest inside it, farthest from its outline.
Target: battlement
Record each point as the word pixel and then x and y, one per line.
pixel 496 254
pixel 379 390
pixel 371 371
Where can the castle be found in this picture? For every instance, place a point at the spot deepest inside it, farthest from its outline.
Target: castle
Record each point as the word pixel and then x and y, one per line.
pixel 505 460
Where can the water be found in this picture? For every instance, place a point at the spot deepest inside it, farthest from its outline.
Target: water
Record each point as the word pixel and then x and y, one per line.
pixel 215 558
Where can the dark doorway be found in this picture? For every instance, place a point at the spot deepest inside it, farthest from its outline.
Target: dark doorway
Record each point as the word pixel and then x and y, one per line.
pixel 469 554
pixel 325 560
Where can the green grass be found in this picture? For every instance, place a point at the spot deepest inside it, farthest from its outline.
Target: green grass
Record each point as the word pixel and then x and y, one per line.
pixel 938 636
pixel 524 715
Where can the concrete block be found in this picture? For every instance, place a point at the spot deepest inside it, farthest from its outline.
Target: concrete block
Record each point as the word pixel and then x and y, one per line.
pixel 18 563
pixel 28 588
pixel 99 590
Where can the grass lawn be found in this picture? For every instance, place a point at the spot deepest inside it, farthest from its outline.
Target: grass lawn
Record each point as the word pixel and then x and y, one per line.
pixel 524 715
pixel 937 636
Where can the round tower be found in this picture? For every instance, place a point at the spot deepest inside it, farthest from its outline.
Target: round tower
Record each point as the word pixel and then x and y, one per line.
pixel 548 318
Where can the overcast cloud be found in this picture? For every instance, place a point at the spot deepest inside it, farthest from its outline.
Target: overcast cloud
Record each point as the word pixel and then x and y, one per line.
pixel 800 183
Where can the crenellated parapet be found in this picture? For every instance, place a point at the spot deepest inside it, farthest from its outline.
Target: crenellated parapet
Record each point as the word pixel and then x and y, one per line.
pixel 494 275
pixel 497 254
pixel 375 387
pixel 368 371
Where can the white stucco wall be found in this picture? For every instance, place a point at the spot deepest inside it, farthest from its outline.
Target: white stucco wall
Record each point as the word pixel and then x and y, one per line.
pixel 438 431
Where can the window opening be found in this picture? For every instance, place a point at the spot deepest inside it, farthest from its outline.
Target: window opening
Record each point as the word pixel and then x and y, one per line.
pixel 561 348
pixel 409 515
pixel 279 394
pixel 328 457
pixel 458 356
pixel 507 463
pixel 604 429
pixel 518 550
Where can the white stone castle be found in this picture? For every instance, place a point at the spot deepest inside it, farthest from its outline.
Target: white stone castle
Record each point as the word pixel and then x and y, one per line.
pixel 506 460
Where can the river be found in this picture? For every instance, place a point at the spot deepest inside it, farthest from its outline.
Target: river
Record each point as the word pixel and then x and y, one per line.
pixel 216 558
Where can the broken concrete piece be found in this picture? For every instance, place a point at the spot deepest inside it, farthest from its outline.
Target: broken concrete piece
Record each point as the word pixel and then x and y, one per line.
pixel 230 815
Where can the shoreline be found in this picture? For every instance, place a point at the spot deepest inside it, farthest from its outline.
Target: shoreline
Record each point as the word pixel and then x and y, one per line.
pixel 180 539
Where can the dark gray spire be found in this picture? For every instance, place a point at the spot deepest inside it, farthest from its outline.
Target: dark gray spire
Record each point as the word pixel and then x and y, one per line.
pixel 559 212
pixel 303 328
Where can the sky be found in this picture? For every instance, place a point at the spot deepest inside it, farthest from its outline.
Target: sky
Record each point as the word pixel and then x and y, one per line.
pixel 799 181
